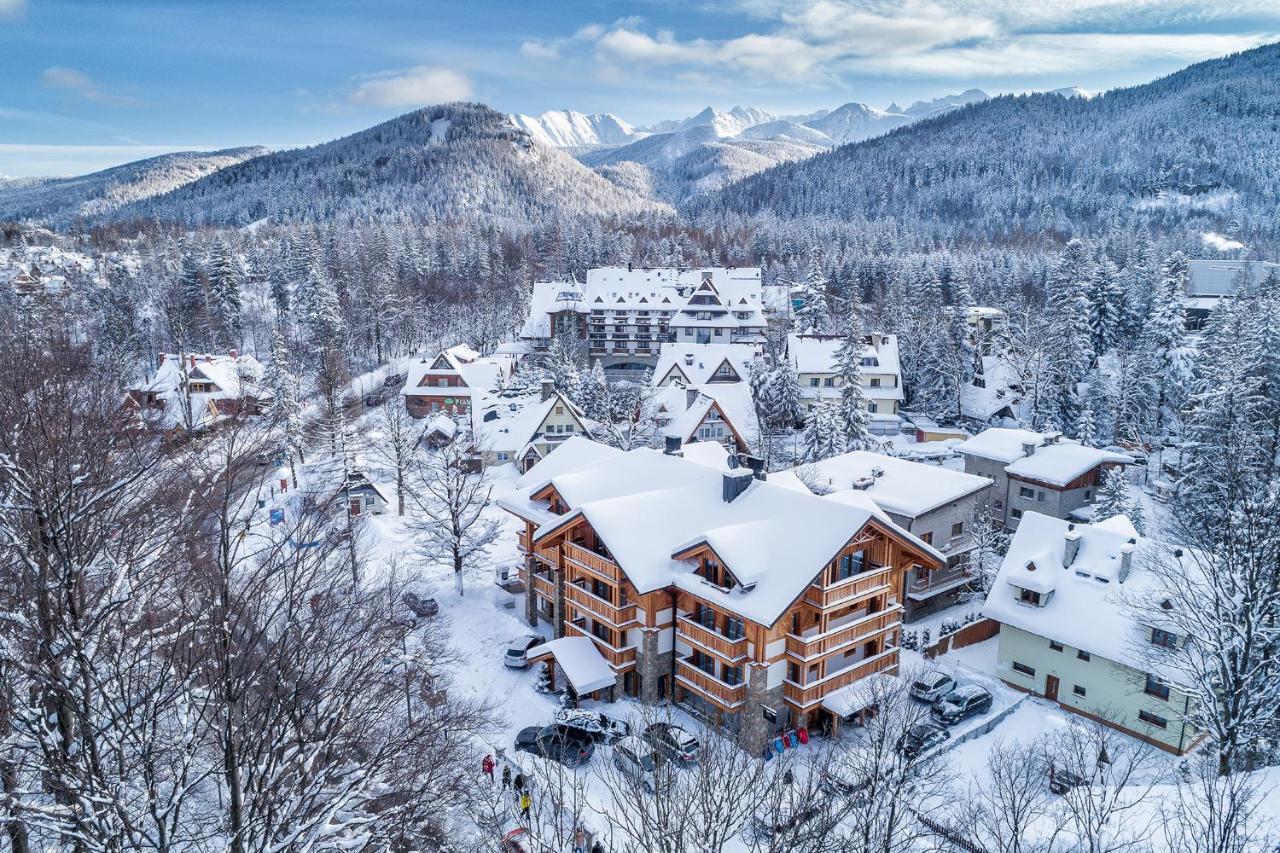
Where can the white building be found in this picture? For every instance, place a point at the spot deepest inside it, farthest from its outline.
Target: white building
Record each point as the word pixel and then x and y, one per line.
pixel 621 316
pixel 814 360
pixel 703 364
pixel 1066 597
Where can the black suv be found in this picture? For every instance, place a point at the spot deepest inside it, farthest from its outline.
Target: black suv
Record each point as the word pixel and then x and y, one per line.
pixel 921 738
pixel 961 703
pixel 559 743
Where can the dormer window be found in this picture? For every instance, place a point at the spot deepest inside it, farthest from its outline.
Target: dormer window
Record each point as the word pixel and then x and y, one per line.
pixel 1031 597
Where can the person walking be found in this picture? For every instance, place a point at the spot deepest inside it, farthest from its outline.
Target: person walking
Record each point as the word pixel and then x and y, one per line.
pixel 597 847
pixel 525 802
pixel 506 777
pixel 486 766
pixel 519 783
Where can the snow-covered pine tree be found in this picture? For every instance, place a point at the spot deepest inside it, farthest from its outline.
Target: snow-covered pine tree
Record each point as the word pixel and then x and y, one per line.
pixel 225 276
pixel 785 408
pixel 813 316
pixel 1114 499
pixel 854 419
pixel 593 392
pixel 823 436
pixel 1165 334
pixel 1106 298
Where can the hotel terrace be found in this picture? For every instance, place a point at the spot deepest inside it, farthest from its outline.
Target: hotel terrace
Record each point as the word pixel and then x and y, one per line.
pixel 751 603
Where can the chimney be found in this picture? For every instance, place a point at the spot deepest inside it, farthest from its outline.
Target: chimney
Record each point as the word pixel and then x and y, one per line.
pixel 1028 448
pixel 1071 546
pixel 688 359
pixel 191 361
pixel 1126 558
pixel 672 447
pixel 690 397
pixel 548 389
pixel 755 465
pixel 736 480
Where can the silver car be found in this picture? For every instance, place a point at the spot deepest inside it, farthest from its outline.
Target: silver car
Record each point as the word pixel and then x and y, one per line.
pixel 516 654
pixel 932 685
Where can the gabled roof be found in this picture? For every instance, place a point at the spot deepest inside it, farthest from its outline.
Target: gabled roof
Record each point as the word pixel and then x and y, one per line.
pixel 233 379
pixel 647 506
pixel 817 353
pixel 479 374
pixel 507 425
pixel 1057 462
pixel 1090 607
pixel 1218 278
pixel 696 364
pixel 898 486
pixel 732 400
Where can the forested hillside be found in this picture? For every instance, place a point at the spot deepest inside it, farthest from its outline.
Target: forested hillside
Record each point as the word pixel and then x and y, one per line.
pixel 1201 145
pixel 446 162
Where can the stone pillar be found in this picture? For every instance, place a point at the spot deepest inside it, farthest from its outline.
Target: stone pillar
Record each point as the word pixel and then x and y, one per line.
pixel 755 729
pixel 650 666
pixel 530 597
pixel 558 614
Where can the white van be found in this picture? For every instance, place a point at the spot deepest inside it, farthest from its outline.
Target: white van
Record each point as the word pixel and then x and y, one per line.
pixel 634 757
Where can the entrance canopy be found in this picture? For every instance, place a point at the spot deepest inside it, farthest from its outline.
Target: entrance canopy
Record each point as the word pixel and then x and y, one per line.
pixel 861 695
pixel 580 661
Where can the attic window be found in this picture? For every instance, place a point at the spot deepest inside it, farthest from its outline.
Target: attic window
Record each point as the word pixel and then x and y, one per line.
pixel 1166 605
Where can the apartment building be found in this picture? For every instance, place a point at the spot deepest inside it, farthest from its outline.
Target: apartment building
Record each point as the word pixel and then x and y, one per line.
pixel 751 603
pixel 621 316
pixel 814 360
pixel 935 504
pixel 1065 598
pixel 1037 472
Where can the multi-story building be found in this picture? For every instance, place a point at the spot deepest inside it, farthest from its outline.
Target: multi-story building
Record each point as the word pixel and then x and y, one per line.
pixel 752 603
pixel 1211 281
pixel 723 413
pixel 935 504
pixel 1065 598
pixel 622 316
pixel 814 360
pixel 1036 472
pixel 448 383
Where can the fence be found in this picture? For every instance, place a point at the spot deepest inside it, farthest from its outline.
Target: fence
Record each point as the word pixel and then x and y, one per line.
pixel 971 634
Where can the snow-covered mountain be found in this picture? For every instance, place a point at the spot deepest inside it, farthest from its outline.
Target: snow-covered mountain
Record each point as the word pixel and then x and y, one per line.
pixel 945 104
pixel 59 200
pixel 853 122
pixel 571 129
pixel 1073 92
pixel 454 161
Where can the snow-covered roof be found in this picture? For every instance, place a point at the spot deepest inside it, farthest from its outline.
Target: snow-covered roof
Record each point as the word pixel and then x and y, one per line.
pixel 1090 605
pixel 580 661
pixel 228 378
pixel 509 424
pixel 696 364
pixel 480 374
pixel 738 290
pixel 1218 278
pixel 862 694
pixel 712 454
pixel 734 401
pixel 647 506
pixel 897 485
pixel 1054 460
pixel 574 453
pixel 817 353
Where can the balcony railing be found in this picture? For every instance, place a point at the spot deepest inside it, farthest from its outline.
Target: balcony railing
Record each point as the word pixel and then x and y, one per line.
pixel 597 606
pixel 858 585
pixel 543 586
pixel 808 648
pixel 597 564
pixel 549 554
pixel 522 540
pixel 939 581
pixel 619 657
pixel 807 695
pixel 710 639
pixel 727 695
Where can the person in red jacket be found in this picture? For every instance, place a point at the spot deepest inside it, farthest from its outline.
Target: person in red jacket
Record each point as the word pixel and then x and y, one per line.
pixel 486 765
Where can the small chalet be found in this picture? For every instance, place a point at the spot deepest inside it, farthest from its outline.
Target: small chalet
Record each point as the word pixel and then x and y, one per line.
pixel 448 383
pixel 361 495
pixel 703 364
pixel 524 430
pixel 193 391
pixel 721 413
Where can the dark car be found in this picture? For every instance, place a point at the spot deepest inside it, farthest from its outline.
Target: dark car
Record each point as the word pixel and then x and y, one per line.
pixel 673 743
pixel 559 743
pixel 961 703
pixel 1062 780
pixel 593 724
pixel 421 605
pixel 921 738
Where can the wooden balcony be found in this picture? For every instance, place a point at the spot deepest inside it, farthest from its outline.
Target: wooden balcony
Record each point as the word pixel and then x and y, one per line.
pixel 805 696
pixel 597 606
pixel 938 581
pixel 851 588
pixel 713 641
pixel 543 586
pixel 522 540
pixel 728 696
pixel 620 658
pixel 549 554
pixel 597 564
pixel 808 648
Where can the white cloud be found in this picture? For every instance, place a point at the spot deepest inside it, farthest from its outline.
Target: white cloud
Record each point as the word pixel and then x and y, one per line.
pixel 412 87
pixel 534 49
pixel 71 80
pixel 12 7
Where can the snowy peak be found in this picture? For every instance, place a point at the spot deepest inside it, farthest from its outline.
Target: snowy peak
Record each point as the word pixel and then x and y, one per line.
pixel 571 129
pixel 727 124
pixel 853 122
pixel 945 104
pixel 1072 92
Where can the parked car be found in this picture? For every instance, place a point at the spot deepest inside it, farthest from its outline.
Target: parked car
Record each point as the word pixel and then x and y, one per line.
pixel 597 726
pixel 636 758
pixel 961 703
pixel 1062 780
pixel 557 743
pixel 421 605
pixel 788 813
pixel 932 685
pixel 377 397
pixel 673 743
pixel 516 654
pixel 921 738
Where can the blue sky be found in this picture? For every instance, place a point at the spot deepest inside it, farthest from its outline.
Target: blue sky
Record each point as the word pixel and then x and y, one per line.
pixel 84 85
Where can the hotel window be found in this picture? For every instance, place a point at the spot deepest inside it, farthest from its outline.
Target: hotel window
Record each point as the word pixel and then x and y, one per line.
pixel 1024 492
pixel 1029 596
pixel 1155 688
pixel 1164 639
pixel 703 661
pixel 1023 668
pixel 957 528
pixel 1153 719
pixel 875 382
pixel 814 382
pixel 1055 645
pixel 850 565
pixel 829 382
pixel 734 628
pixel 927 538
pixel 1078 690
pixel 1015 513
pixel 732 675
pixel 793 672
